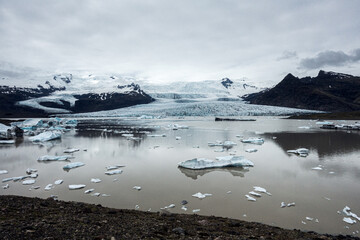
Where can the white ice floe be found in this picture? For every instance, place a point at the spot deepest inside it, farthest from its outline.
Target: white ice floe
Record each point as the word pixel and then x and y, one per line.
pixel 73 165
pixel 304 127
pixel 105 195
pixel 196 210
pixel 317 168
pixel 12 141
pixel 258 141
pixel 178 138
pixel 324 123
pixel 249 198
pixel 184 208
pixel 255 194
pixel 309 218
pixel 228 192
pixel 48 187
pixel 156 135
pixel 291 204
pixel 225 144
pixel 251 150
pixel 97 194
pixel 220 162
pixel 349 220
pixel 302 152
pixel 31 170
pixel 28 182
pixel 137 188
pixel 167 207
pixel 95 180
pixel 348 213
pixel 201 195
pixel 127 135
pixel 261 189
pixel 3 172
pixel 76 186
pixel 114 167
pixel 46 136
pixel 54 158
pixel 113 172
pixel 58 182
pixel 282 205
pixel 71 150
pixel 229 144
pixel 89 190
pixel 137 207
pixel 5 186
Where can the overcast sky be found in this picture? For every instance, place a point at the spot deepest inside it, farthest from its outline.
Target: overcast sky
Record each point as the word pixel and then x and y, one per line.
pixel 186 40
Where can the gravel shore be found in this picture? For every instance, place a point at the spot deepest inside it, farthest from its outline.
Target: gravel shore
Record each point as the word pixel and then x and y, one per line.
pixel 34 218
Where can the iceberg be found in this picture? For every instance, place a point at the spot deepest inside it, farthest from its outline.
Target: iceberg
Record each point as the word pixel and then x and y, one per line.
pixel 302 152
pixel 258 141
pixel 201 195
pixel 348 213
pixel 220 162
pixel 54 158
pixel 73 165
pixel 349 220
pixel 46 136
pixel 76 186
pixel 71 150
pixel 113 172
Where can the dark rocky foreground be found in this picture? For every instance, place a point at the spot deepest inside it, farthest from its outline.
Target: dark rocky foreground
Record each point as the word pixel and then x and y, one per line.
pixel 34 218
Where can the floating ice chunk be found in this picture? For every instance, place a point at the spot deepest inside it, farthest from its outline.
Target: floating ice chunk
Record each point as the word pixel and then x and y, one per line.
pixel 76 186
pixel 7 141
pixel 282 205
pixel 31 170
pixel 262 190
pixel 331 172
pixel 137 207
pixel 58 182
pixel 54 158
pixel 249 198
pixel 304 127
pixel 127 135
pixel 114 167
pixel 317 220
pixel 73 165
pixel 48 187
pixel 33 175
pixel 6 186
pixel 317 168
pixel 291 204
pixel 3 172
pixel 196 146
pixel 348 213
pixel 71 150
pixel 19 178
pixel 35 187
pixel 113 172
pixel 201 196
pixel 89 190
pixel 274 138
pixel 302 152
pixel 178 138
pixel 228 192
pixel 255 194
pixel 216 144
pixel 327 198
pixel 105 195
pixel 167 207
pixel 184 208
pixel 156 135
pixel 137 188
pixel 258 141
pixel 303 222
pixel 324 123
pixel 95 180
pixel 229 144
pixel 251 150
pixel 227 161
pixel 219 150
pixel 349 220
pixel 7 179
pixel 46 136
pixel 309 218
pixel 96 194
pixel 196 210
pixel 28 182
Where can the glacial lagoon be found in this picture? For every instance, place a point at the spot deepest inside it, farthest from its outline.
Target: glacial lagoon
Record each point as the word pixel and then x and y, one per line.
pixel 321 184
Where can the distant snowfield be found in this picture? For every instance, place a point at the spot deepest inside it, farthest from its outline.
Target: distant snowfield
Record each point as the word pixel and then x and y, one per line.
pixel 205 107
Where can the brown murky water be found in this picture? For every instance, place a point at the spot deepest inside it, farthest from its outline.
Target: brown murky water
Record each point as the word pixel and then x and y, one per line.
pixel 151 163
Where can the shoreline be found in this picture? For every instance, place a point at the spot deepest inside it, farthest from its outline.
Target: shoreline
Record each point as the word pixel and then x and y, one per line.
pixel 35 218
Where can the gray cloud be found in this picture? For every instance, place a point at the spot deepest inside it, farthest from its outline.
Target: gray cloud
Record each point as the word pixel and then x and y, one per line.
pixel 330 58
pixel 287 55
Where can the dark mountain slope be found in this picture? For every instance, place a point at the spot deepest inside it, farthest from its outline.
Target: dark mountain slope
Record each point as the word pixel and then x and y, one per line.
pixel 328 91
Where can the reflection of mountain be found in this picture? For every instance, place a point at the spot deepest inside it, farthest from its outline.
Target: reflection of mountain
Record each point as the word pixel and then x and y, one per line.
pixel 326 143
pixel 194 174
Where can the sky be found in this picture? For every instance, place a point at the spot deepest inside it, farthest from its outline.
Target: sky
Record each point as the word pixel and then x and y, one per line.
pixel 184 40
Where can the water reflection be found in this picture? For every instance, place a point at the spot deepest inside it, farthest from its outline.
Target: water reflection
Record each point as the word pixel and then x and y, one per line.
pixel 194 174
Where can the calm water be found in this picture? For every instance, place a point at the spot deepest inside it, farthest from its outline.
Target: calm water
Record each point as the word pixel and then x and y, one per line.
pixel 152 164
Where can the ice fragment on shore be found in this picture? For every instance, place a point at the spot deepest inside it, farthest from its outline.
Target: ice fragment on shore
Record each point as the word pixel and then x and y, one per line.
pixel 89 190
pixel 258 141
pixel 201 196
pixel 58 182
pixel 113 172
pixel 95 180
pixel 46 136
pixel 137 188
pixel 302 152
pixel 28 182
pixel 137 207
pixel 228 161
pixel 249 198
pixel 251 150
pixel 3 172
pixel 76 186
pixel 73 165
pixel 261 189
pixel 71 150
pixel 48 187
pixel 255 194
pixel 349 220
pixel 54 158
